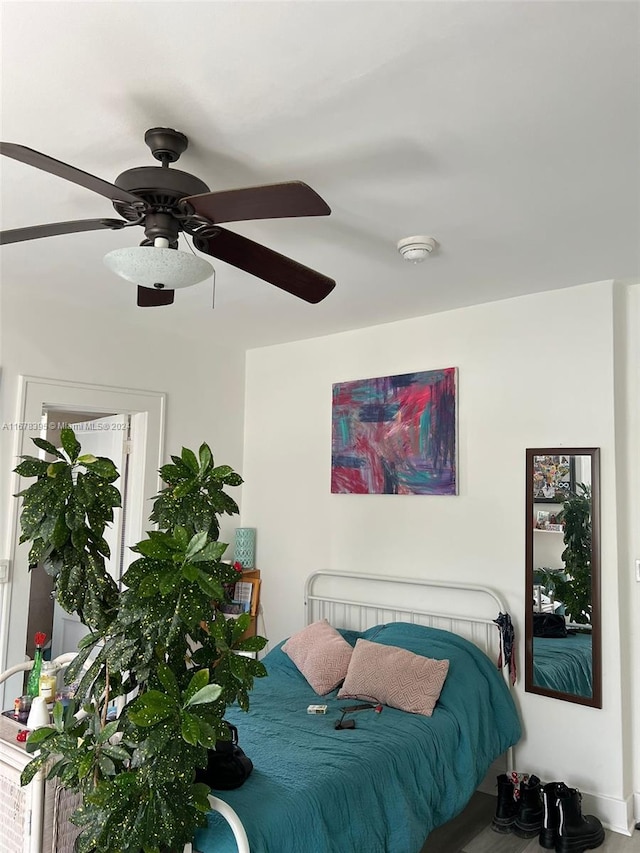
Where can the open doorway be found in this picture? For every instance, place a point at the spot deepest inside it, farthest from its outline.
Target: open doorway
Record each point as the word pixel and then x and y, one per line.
pixel 102 435
pixel 145 410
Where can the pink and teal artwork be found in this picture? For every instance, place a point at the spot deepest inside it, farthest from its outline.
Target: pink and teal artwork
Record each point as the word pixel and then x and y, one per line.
pixel 395 435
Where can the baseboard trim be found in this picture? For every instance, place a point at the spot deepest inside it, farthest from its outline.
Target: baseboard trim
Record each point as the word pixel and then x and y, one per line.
pixel 616 815
pixel 636 807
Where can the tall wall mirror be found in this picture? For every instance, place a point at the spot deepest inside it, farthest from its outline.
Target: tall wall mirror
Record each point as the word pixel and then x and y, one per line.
pixel 562 616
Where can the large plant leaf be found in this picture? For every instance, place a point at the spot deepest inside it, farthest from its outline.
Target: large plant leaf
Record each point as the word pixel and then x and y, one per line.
pixel 250 644
pixel 151 708
pixel 168 680
pixel 239 626
pixel 206 459
pixel 189 459
pixel 70 443
pixel 212 552
pixel 32 467
pixel 38 736
pixel 118 753
pixel 199 680
pixel 208 693
pixel 104 468
pixel 190 728
pixel 201 797
pixel 108 731
pixel 184 488
pixel 45 445
pixel 32 768
pixel 196 544
pixel 153 548
pixel 209 585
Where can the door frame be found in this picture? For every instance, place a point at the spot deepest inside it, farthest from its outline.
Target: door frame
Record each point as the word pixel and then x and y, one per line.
pixel 147 409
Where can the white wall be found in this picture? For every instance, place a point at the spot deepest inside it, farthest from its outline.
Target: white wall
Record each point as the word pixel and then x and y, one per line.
pixel 137 349
pixel 204 384
pixel 533 372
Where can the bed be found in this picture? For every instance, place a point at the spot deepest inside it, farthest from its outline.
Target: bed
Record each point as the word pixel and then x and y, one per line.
pixel 385 785
pixel 564 664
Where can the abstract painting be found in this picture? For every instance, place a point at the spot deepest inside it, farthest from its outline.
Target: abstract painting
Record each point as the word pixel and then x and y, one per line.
pixel 395 435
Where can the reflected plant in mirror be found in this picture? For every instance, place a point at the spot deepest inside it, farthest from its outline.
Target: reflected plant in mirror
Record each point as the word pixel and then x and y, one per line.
pixel 562 622
pixel 571 586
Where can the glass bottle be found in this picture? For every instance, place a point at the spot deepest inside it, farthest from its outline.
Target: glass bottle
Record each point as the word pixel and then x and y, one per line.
pixel 33 682
pixel 47 683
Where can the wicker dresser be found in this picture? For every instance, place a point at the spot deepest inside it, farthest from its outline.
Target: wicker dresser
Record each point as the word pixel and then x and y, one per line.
pixel 33 819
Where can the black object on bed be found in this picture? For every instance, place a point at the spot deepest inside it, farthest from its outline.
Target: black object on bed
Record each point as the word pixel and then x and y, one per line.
pixel 227 766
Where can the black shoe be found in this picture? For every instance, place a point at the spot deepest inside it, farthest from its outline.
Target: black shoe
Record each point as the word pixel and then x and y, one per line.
pixel 549 831
pixel 575 832
pixel 507 807
pixel 528 822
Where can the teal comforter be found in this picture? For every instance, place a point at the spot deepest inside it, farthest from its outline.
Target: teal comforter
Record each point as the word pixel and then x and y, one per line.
pixel 380 788
pixel 564 664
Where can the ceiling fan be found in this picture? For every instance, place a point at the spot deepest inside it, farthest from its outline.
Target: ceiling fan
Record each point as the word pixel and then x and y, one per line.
pixel 167 201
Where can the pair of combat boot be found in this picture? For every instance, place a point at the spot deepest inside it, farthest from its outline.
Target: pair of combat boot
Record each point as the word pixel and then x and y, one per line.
pixel 552 811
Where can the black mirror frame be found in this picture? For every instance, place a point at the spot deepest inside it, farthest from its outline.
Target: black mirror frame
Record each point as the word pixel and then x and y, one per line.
pixel 595 701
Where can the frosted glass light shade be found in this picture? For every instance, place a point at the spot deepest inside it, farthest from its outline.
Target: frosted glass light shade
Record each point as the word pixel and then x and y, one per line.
pixel 150 265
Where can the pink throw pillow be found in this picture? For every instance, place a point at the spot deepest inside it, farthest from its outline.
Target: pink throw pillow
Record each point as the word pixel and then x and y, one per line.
pixel 394 677
pixel 321 654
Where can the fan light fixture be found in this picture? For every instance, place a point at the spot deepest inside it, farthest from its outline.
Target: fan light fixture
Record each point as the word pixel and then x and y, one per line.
pixel 158 267
pixel 416 249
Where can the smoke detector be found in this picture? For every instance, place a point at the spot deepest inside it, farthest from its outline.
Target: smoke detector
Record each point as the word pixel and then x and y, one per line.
pixel 416 249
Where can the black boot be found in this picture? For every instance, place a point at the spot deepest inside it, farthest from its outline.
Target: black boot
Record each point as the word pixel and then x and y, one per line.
pixel 575 832
pixel 528 822
pixel 507 807
pixel 549 831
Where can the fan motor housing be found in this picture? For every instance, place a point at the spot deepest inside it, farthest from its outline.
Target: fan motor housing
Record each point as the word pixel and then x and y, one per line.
pixel 161 188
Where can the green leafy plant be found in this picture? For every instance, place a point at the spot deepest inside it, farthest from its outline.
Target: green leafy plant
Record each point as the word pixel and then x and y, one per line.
pixel 160 648
pixel 572 585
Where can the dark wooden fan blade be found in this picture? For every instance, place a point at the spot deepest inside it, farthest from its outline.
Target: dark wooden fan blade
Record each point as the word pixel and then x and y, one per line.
pixel 53 229
pixel 271 201
pixel 266 264
pixel 69 173
pixel 148 298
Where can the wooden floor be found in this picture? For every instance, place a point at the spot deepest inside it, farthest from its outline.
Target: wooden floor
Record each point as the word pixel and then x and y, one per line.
pixel 471 832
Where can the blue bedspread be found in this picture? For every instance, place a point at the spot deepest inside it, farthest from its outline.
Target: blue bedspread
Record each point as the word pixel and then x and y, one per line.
pixel 564 664
pixel 380 788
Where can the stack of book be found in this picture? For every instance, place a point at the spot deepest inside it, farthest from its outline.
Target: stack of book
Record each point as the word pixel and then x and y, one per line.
pixel 244 594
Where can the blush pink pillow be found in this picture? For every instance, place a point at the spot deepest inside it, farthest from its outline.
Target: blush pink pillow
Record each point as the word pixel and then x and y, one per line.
pixel 321 654
pixel 394 677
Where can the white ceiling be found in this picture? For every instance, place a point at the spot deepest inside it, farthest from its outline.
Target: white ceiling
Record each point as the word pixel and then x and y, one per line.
pixel 509 131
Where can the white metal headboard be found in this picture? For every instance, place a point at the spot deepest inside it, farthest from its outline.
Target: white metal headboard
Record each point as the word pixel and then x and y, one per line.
pixel 359 601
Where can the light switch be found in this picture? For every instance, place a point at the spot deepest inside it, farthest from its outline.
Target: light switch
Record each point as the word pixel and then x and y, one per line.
pixel 638 571
pixel 4 570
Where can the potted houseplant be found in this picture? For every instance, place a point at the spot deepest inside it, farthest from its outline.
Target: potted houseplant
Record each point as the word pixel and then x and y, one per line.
pixel 572 585
pixel 160 648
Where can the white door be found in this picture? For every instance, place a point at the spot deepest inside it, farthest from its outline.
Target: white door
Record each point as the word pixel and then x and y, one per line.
pixel 102 437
